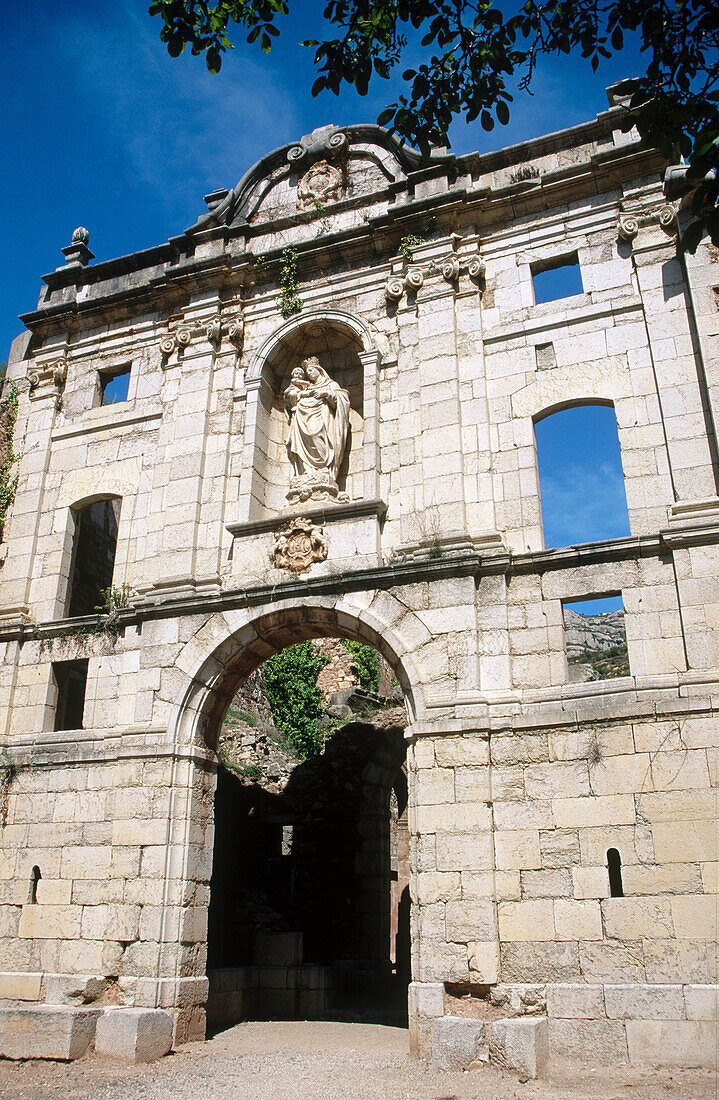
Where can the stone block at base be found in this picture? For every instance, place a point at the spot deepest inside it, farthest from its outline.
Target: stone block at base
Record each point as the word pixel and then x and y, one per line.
pixel 134 1034
pixel 47 1031
pixel 521 1044
pixel 456 1042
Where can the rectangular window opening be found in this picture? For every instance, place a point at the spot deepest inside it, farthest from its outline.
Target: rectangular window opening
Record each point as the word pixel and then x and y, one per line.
pixel 557 278
pixel 114 385
pixel 71 682
pixel 595 638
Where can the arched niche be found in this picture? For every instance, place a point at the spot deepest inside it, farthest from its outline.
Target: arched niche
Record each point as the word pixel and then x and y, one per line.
pixel 344 348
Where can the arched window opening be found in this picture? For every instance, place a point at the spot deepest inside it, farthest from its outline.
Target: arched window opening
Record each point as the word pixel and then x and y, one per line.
pixel 581 480
pixel 614 866
pixel 35 877
pixel 93 559
pixel 311 851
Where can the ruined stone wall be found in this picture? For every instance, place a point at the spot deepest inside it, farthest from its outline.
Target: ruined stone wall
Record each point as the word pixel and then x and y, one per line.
pixel 520 780
pixel 511 835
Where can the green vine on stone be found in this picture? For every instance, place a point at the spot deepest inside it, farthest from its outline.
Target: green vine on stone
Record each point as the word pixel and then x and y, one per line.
pixel 290 302
pixel 8 482
pixel 408 244
pixel 319 210
pixel 7 774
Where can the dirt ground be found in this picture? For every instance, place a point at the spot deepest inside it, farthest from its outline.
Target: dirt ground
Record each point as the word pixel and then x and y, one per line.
pixel 319 1061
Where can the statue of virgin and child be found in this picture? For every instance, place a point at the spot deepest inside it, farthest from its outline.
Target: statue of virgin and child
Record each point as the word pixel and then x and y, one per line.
pixel 318 409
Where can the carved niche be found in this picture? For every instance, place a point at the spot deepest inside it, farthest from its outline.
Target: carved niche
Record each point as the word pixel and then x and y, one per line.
pixel 299 545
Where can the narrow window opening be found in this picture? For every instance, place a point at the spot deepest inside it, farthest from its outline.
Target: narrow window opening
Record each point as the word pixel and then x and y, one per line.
pixel 35 877
pixel 614 866
pixel 114 386
pixel 596 639
pixel 559 278
pixel 71 682
pixel 93 556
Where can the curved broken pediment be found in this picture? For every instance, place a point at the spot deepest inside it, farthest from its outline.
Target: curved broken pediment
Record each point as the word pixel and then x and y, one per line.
pixel 330 165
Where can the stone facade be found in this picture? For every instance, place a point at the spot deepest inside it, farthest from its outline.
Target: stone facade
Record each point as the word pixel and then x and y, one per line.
pixel 519 781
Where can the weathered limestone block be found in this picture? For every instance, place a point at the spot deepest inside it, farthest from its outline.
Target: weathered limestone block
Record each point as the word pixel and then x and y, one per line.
pixel 47 1031
pixel 600 1042
pixel 520 1044
pixel 20 987
pixel 566 1001
pixel 673 1043
pixel 134 1034
pixel 457 1042
pixel 644 1002
pixel 74 989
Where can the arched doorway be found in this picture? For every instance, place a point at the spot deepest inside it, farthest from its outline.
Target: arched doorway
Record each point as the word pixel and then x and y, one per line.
pixel 326 865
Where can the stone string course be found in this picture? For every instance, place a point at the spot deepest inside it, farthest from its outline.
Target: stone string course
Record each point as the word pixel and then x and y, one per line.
pixel 519 781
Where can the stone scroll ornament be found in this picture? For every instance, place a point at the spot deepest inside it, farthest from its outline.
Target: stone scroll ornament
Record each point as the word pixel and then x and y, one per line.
pixel 299 545
pixel 319 410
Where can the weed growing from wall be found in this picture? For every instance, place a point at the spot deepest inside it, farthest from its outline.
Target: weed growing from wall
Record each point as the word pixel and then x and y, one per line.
pixel 8 482
pixel 290 302
pixel 408 244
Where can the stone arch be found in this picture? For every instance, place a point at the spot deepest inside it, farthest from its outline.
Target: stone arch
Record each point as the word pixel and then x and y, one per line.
pixel 82 487
pixel 232 645
pixel 336 319
pixel 599 383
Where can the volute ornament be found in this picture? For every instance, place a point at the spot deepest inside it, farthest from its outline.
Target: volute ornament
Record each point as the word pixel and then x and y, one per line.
pixel 450 269
pixel 394 289
pixel 236 332
pixel 476 267
pixel 628 228
pixel 167 345
pixel 299 545
pixel 213 332
pixel 668 219
pixel 414 279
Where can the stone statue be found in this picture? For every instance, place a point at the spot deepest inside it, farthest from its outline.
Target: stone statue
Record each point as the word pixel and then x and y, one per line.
pixel 318 409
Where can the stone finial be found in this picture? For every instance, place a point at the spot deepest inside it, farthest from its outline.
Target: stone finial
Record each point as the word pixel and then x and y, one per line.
pixel 77 252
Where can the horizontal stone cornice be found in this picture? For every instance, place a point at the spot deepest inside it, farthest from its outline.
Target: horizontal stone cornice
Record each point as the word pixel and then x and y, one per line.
pixel 462 563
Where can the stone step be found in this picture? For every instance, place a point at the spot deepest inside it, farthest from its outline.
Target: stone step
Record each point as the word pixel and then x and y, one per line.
pixel 60 1032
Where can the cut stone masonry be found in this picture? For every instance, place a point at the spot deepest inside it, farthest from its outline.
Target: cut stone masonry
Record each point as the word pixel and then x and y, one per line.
pixel 520 781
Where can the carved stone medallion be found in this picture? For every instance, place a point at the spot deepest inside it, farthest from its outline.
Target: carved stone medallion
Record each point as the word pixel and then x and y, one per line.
pixel 299 545
pixel 322 183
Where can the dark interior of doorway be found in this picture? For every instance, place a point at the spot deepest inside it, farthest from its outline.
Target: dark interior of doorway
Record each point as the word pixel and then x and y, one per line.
pixel 309 897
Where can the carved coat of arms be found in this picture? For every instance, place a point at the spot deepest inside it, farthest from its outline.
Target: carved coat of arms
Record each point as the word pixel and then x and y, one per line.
pixel 299 545
pixel 322 183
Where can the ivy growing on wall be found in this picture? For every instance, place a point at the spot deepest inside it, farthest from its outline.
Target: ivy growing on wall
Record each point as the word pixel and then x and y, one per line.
pixel 367 661
pixel 295 699
pixel 290 302
pixel 8 482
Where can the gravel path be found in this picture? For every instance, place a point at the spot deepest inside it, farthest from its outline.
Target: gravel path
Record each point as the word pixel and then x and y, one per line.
pixel 324 1061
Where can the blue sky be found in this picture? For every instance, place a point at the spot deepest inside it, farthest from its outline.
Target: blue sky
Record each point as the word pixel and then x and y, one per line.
pixel 101 128
pixel 581 482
